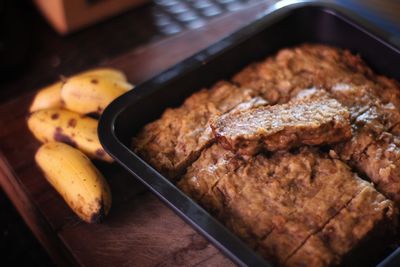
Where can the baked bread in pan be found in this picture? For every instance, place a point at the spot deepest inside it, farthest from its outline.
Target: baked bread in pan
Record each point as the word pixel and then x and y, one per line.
pixel 298 155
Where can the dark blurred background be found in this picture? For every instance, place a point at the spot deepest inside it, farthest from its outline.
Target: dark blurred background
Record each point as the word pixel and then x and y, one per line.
pixel 33 54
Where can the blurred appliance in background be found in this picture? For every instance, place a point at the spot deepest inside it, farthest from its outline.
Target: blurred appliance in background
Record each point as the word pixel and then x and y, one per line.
pixel 70 15
pixel 174 16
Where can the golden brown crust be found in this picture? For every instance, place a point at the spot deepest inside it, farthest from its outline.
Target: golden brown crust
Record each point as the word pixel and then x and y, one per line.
pixel 373 102
pixel 279 77
pixel 368 213
pixel 278 203
pixel 175 140
pixel 282 127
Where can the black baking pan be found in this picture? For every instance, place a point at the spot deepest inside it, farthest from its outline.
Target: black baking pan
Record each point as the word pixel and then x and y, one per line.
pixel 283 25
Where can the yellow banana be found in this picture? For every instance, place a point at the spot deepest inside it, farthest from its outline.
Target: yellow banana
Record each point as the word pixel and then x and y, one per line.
pixel 66 126
pixel 91 94
pixel 76 179
pixel 109 73
pixel 50 96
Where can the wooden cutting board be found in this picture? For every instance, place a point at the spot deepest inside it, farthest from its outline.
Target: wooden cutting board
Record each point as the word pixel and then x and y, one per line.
pixel 140 230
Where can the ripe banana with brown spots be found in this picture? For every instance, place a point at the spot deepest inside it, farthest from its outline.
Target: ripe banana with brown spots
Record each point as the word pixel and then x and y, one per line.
pixel 76 179
pixel 50 96
pixel 91 94
pixel 56 124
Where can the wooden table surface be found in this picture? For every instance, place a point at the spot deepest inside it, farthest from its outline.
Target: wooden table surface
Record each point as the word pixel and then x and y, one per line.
pixel 140 230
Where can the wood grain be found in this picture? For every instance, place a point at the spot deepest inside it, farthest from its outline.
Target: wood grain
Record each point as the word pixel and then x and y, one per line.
pixel 140 230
